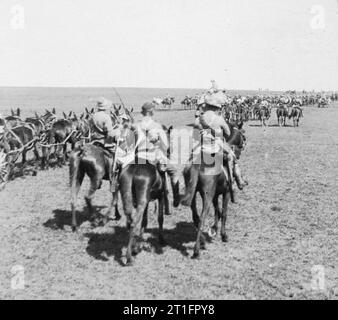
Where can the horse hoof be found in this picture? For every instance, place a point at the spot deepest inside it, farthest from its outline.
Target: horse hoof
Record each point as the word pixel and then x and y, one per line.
pixel 212 233
pixel 195 256
pixel 129 263
pixel 225 238
pixel 136 250
pixel 74 229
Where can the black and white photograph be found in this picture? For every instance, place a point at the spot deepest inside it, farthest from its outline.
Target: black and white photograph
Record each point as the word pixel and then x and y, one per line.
pixel 176 150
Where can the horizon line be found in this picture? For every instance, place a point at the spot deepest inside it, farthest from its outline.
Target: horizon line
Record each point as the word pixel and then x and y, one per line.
pixel 148 87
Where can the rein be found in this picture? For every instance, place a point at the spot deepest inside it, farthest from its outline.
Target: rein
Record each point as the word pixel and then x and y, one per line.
pixel 57 144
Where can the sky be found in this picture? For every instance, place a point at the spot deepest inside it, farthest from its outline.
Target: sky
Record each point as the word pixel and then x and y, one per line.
pixel 242 44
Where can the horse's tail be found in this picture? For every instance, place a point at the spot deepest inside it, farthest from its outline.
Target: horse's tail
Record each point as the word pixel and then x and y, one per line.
pixel 74 166
pixel 191 179
pixel 75 179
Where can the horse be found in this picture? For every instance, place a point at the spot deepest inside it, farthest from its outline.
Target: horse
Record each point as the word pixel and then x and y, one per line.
pixel 282 114
pixel 264 115
pixel 62 132
pixel 186 103
pixel 295 114
pixel 94 161
pixel 91 160
pixel 168 101
pixel 141 183
pixel 212 181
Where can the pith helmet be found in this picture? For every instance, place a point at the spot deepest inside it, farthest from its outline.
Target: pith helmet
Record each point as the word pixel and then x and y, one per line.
pixel 103 104
pixel 216 100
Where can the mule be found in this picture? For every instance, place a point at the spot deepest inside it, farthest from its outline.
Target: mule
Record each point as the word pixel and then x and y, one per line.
pixel 14 120
pixel 263 115
pixel 282 114
pixel 62 133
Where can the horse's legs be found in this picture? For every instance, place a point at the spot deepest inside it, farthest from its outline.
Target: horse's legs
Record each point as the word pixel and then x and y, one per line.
pixel 64 154
pixel 129 211
pixel 24 153
pixel 226 198
pixel 196 219
pixel 134 231
pixel 214 228
pixel 113 212
pixel 195 216
pixel 36 153
pixel 95 182
pixel 76 178
pixel 144 223
pixel 207 197
pixel 160 219
pixel 45 158
pixel 134 221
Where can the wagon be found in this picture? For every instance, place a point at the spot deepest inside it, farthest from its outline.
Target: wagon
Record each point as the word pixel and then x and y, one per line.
pixel 5 168
pixel 9 157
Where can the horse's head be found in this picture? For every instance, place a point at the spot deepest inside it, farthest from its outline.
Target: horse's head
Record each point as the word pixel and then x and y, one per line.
pixel 49 117
pixel 237 139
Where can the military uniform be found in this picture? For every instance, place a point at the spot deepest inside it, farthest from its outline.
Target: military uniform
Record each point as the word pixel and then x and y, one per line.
pixel 153 144
pixel 213 128
pixel 102 125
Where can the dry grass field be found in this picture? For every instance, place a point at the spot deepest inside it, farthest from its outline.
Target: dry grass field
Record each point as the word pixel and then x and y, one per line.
pixel 284 224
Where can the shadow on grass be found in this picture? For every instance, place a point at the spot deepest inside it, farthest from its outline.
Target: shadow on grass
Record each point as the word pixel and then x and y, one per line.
pixel 102 246
pixel 62 218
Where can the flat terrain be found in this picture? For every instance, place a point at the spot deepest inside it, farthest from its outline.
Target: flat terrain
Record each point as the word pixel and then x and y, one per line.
pixel 282 229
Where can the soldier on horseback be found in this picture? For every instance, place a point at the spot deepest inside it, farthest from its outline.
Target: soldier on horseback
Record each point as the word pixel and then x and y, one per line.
pixel 106 134
pixel 213 128
pixel 153 144
pixel 102 124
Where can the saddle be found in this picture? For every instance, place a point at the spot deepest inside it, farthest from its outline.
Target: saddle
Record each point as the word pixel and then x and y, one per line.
pixel 108 149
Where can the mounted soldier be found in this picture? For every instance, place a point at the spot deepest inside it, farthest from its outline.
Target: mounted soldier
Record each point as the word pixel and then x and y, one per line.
pixel 153 144
pixel 104 131
pixel 106 134
pixel 213 129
